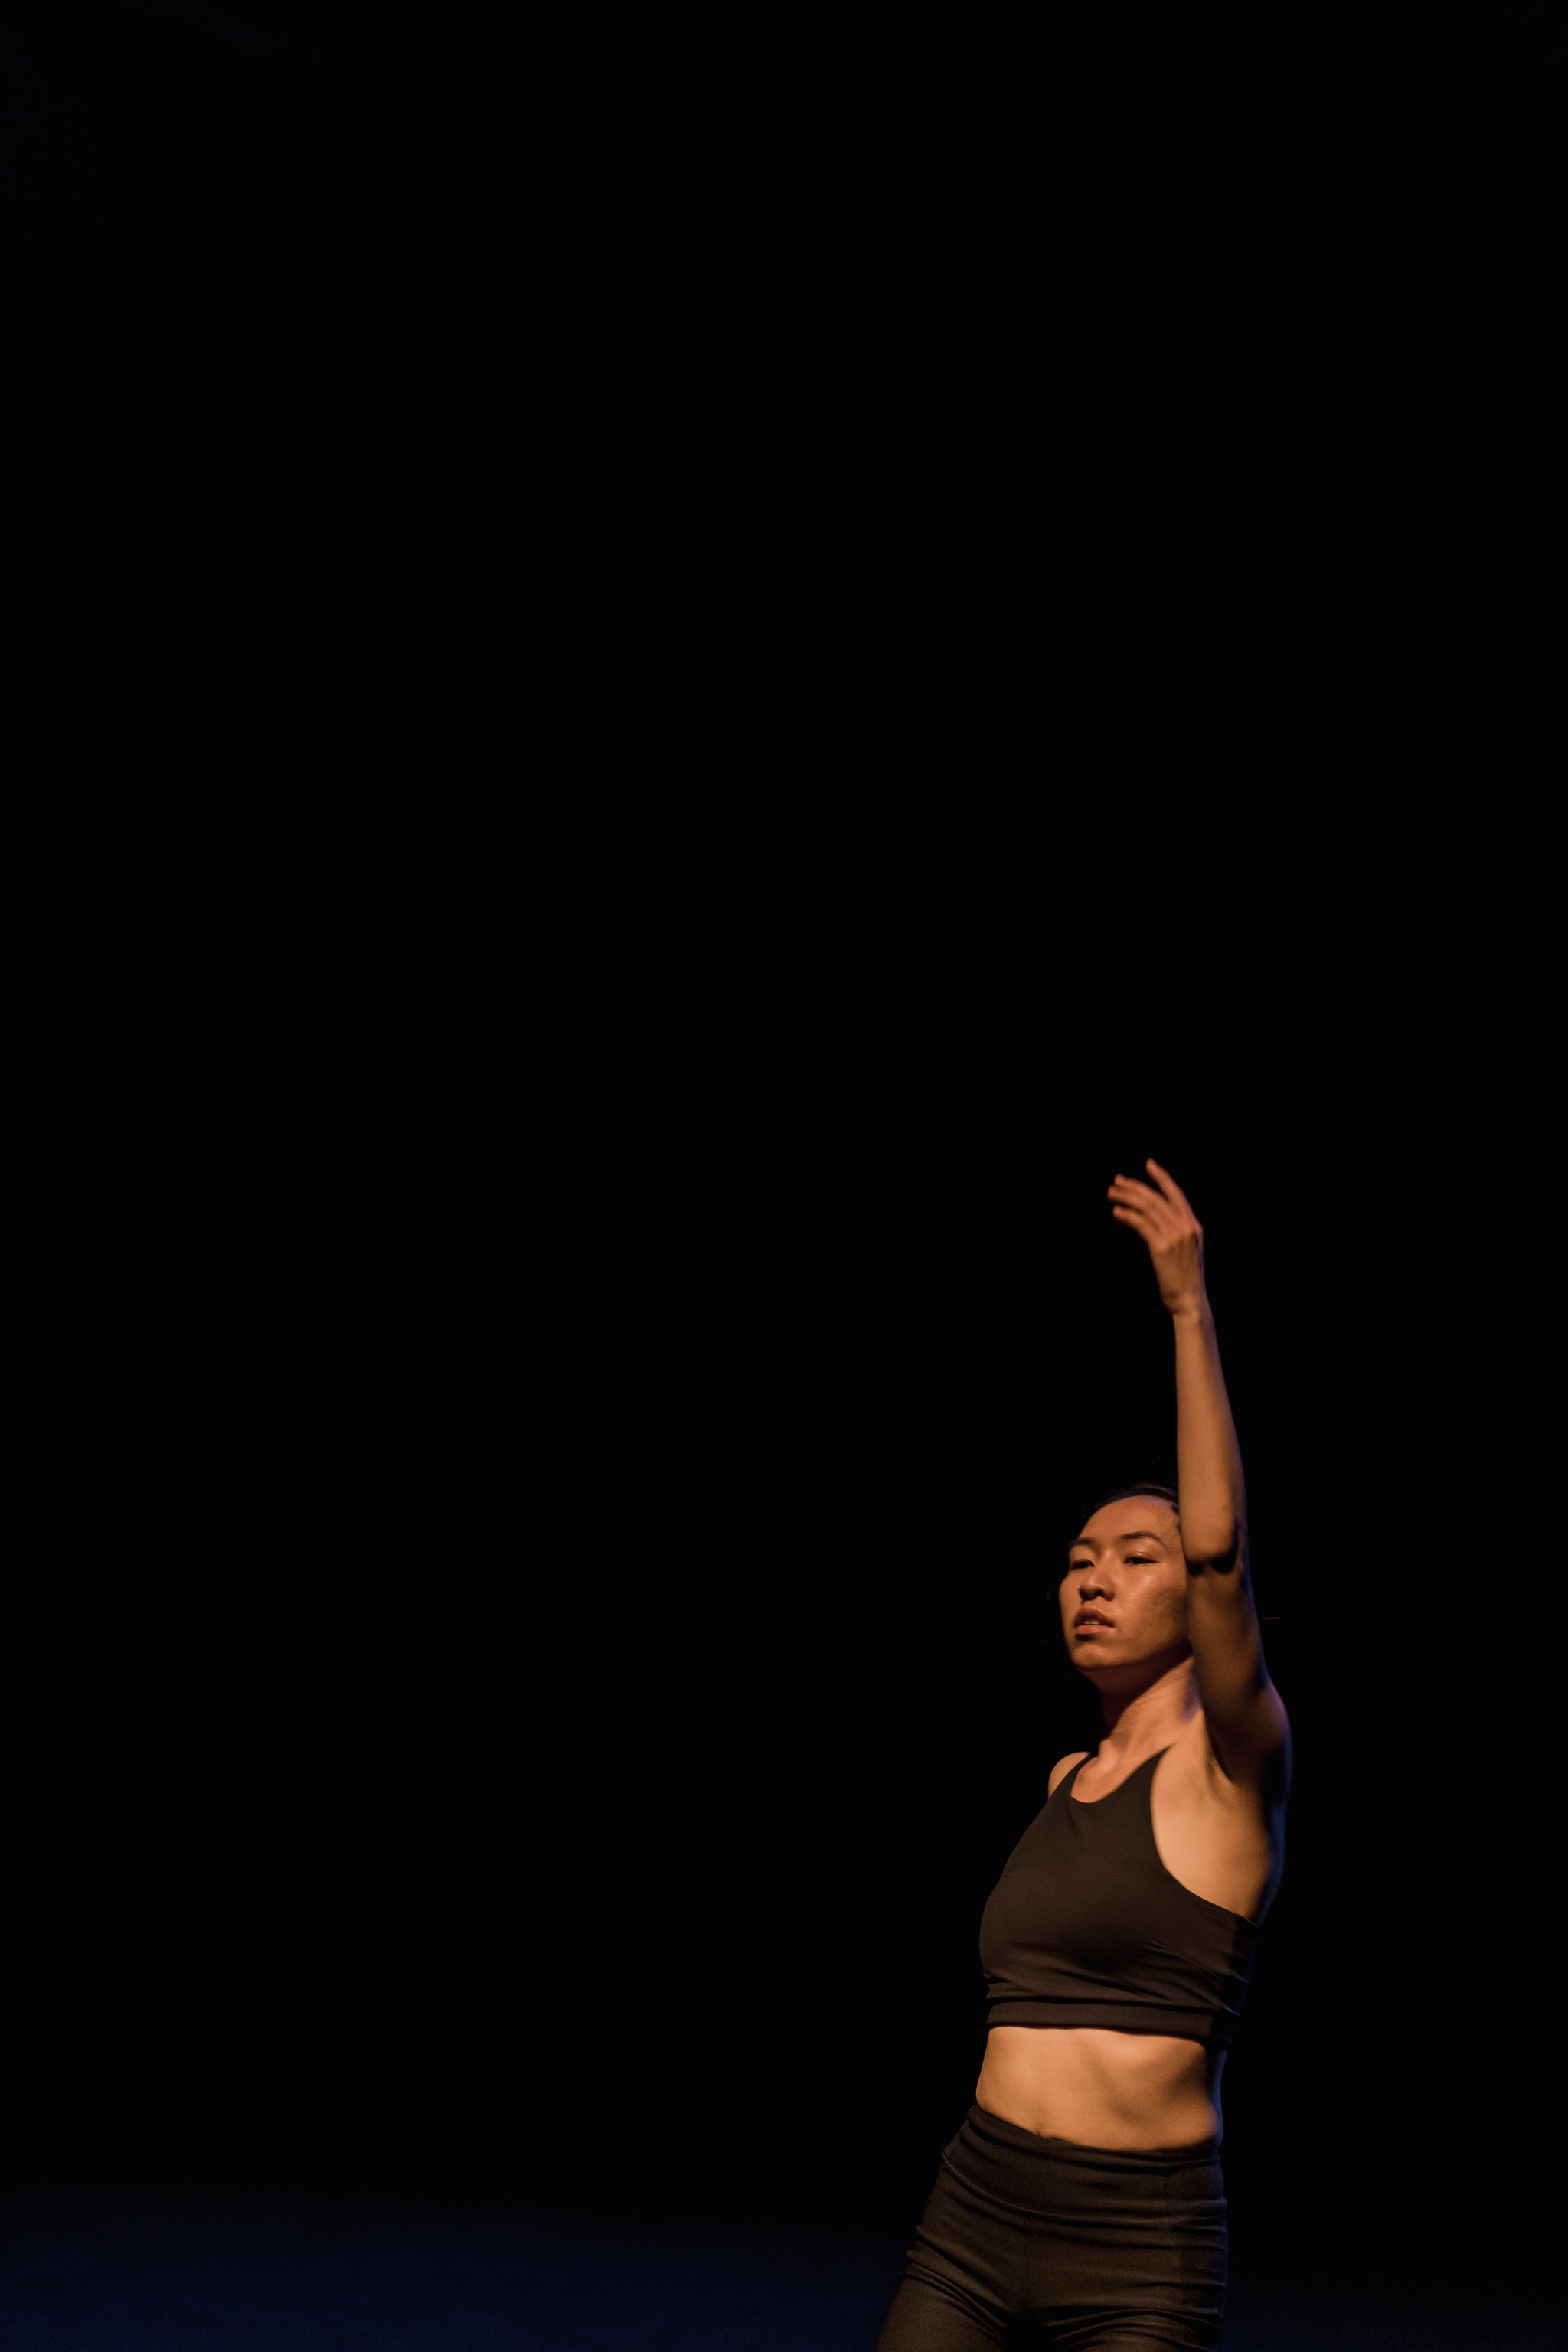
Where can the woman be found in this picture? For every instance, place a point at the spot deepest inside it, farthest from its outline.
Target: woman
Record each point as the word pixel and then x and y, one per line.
pixel 1080 2205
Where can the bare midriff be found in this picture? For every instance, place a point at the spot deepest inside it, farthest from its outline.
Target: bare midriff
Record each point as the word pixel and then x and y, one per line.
pixel 1101 2088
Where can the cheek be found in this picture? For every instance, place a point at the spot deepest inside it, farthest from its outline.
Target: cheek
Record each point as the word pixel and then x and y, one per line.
pixel 1163 1609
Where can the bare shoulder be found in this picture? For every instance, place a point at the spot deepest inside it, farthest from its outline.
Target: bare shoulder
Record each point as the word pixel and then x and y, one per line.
pixel 1059 1771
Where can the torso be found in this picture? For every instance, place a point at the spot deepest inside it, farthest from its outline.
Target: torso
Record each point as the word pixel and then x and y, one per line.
pixel 1221 1840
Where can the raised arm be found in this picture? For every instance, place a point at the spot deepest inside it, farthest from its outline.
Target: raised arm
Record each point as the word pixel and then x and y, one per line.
pixel 1247 1725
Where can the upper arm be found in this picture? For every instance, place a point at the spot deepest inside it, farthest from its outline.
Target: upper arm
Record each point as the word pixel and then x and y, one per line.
pixel 1245 1720
pixel 1059 1771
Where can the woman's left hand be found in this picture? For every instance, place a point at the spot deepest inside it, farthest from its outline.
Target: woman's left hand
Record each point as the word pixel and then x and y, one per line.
pixel 1163 1213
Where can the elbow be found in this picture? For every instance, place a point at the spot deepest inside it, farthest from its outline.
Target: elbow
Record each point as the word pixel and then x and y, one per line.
pixel 1215 1548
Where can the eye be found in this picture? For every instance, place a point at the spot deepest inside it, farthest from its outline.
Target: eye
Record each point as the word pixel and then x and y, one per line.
pixel 1141 1559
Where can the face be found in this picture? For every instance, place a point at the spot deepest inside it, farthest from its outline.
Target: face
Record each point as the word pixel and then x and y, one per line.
pixel 1124 1596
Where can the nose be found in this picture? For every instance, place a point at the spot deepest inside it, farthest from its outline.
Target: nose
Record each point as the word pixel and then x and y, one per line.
pixel 1091 1584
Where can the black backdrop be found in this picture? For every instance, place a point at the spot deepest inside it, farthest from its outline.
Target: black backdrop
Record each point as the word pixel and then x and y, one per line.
pixel 555 1406
pixel 530 1652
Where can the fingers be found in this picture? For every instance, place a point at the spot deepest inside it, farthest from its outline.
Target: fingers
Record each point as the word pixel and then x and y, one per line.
pixel 1166 1210
pixel 1165 1190
pixel 1135 1205
pixel 1169 1186
pixel 1134 1194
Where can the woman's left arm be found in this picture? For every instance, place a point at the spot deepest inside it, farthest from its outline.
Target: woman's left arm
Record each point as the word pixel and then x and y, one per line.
pixel 1246 1721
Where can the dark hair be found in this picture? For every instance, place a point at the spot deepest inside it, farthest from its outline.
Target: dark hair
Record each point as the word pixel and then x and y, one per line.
pixel 1151 1486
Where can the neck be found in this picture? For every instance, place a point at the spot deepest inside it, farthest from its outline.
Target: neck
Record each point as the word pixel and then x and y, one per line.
pixel 1148 1716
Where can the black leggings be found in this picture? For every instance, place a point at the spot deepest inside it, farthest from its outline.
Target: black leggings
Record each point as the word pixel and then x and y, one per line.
pixel 1085 2249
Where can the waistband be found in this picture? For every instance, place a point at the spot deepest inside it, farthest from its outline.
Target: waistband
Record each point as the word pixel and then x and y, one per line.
pixel 1032 2162
pixel 996 2131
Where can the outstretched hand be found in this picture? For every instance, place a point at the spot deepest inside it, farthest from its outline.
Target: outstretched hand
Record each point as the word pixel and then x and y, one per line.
pixel 1162 1212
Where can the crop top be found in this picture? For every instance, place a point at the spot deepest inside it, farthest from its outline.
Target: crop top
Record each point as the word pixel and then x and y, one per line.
pixel 1087 1926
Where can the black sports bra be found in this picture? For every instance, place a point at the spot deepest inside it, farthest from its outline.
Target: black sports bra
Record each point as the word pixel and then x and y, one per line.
pixel 1087 1926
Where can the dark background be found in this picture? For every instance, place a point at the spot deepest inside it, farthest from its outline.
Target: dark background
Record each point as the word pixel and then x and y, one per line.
pixel 532 1650
pixel 575 1328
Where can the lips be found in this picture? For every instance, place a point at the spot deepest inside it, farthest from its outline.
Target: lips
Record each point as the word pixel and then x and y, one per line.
pixel 1087 1617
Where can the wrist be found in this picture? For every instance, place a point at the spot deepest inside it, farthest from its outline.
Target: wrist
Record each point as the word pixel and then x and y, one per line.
pixel 1193 1307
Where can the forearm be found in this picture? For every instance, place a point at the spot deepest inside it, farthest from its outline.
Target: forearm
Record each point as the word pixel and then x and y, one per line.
pixel 1208 1459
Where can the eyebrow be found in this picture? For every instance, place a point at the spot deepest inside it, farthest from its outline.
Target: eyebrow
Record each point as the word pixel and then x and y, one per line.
pixel 1133 1535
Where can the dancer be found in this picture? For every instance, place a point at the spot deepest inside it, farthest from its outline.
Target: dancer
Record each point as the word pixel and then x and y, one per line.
pixel 1081 2205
